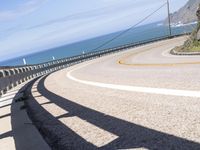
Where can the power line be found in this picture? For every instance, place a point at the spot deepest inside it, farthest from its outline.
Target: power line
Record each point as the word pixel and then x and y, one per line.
pixel 123 32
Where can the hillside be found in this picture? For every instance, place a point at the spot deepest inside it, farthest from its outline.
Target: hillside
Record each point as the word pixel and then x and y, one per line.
pixel 186 14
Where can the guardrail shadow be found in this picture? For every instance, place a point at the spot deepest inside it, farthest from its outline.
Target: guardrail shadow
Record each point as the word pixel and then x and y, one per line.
pixel 56 134
pixel 130 135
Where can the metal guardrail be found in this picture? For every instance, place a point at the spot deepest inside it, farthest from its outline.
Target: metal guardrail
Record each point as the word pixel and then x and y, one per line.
pixel 14 75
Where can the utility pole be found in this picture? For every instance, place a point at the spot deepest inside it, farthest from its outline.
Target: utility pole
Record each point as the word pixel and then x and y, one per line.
pixel 169 19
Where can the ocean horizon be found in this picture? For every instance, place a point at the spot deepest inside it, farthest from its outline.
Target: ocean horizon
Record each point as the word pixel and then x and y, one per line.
pixel 139 34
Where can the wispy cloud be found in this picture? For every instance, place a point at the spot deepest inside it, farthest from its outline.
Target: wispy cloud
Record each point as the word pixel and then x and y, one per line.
pixel 110 8
pixel 21 10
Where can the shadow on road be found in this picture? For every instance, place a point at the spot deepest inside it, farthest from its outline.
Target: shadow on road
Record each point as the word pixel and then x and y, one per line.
pixel 130 135
pixel 56 134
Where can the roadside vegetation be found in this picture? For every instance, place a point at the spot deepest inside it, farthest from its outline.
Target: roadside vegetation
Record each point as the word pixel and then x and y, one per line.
pixel 192 44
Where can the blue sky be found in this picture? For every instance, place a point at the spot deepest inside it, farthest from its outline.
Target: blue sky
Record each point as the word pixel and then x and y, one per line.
pixel 28 26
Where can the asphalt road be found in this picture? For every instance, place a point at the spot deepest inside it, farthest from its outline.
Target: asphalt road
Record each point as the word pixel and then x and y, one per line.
pixel 141 98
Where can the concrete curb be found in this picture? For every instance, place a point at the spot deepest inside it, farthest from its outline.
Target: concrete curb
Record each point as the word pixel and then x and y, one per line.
pixel 174 52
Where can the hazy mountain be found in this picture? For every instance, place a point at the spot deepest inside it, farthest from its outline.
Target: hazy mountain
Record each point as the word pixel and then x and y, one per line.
pixel 186 14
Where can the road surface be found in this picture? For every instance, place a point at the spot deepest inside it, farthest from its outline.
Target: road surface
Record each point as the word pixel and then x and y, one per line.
pixel 142 98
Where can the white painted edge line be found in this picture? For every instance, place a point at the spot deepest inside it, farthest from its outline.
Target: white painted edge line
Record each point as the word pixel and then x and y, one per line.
pixel 161 91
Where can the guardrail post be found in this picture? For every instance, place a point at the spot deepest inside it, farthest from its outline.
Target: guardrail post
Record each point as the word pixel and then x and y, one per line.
pixel 17 76
pixel 49 67
pixel 13 78
pixel 21 75
pixel 31 74
pixel 28 73
pixel 24 74
pixel 7 74
pixel 2 75
pixel 34 71
pixel 43 69
pixel 38 70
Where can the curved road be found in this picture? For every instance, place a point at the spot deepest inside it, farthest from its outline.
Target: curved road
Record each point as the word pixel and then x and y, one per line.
pixel 141 98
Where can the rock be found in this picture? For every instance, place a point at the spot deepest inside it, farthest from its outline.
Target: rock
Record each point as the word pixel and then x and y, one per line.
pixel 198 35
pixel 198 30
pixel 186 14
pixel 198 13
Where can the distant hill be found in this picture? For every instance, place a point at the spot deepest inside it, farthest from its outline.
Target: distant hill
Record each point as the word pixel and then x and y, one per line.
pixel 186 14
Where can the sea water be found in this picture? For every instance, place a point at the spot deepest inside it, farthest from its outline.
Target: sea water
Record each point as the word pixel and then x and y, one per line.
pixel 139 34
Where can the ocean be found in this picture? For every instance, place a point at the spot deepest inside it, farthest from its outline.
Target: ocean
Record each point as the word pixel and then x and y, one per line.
pixel 139 34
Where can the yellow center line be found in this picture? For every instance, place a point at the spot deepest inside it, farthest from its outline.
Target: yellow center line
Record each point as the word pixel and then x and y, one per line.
pixel 122 61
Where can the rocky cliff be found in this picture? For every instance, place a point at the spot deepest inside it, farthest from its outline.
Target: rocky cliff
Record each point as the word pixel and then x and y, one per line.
pixel 186 14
